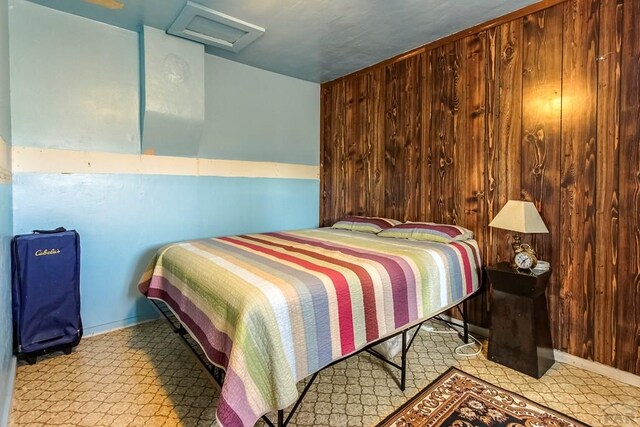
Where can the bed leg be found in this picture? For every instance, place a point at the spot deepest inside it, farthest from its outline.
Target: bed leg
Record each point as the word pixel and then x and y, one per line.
pixel 465 308
pixel 403 371
pixel 281 418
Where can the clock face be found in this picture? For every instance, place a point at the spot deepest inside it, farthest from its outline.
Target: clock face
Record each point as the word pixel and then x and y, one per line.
pixel 523 260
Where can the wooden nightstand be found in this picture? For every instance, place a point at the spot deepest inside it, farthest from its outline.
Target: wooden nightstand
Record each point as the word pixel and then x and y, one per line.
pixel 520 335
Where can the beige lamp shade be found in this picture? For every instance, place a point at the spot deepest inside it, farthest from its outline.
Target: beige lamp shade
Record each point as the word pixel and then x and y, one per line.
pixel 519 216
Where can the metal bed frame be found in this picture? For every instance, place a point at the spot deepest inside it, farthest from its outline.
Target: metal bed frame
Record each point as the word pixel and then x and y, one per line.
pixel 218 373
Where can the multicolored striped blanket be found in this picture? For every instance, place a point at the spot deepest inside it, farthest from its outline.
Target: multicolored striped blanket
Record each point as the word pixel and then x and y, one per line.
pixel 273 308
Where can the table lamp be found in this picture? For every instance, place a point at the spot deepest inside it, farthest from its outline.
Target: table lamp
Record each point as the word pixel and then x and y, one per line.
pixel 521 217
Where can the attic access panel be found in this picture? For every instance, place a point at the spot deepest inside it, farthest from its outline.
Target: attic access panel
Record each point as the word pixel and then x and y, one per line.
pixel 214 28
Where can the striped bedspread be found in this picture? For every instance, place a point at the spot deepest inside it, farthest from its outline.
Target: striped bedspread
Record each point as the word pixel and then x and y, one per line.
pixel 273 308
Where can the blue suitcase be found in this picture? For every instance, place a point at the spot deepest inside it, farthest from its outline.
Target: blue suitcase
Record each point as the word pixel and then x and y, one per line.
pixel 45 288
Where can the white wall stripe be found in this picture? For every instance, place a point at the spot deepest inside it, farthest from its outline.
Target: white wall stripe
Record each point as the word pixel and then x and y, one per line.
pixel 5 162
pixel 48 160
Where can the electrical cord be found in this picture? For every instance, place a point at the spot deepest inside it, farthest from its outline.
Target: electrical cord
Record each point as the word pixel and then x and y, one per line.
pixel 459 350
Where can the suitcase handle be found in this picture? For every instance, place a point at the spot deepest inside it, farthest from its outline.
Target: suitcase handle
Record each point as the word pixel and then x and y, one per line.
pixel 57 230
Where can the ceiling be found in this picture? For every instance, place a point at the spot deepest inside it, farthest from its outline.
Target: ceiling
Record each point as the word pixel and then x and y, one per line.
pixel 318 40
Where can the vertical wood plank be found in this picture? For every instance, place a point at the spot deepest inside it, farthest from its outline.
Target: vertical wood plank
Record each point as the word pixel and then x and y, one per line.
pixel 357 98
pixel 491 119
pixel 426 167
pixel 375 141
pixel 350 138
pixel 470 151
pixel 325 154
pixel 541 138
pixel 607 192
pixel 504 155
pixel 336 190
pixel 627 343
pixel 393 153
pixel 360 204
pixel 577 214
pixel 445 64
pixel 403 137
pixel 412 129
pixel 461 130
pixel 492 102
pixel 431 167
pixel 471 143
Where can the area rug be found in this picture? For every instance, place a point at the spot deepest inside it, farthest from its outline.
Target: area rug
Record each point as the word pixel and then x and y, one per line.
pixel 458 399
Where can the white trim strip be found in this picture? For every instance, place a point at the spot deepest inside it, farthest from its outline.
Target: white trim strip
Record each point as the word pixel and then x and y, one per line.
pixel 598 368
pixel 48 160
pixel 5 162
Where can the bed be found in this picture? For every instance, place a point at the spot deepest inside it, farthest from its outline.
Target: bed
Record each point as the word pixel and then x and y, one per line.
pixel 272 309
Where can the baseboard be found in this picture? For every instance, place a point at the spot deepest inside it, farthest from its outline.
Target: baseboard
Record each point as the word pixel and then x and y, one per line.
pixel 569 359
pixel 5 405
pixel 598 368
pixel 118 324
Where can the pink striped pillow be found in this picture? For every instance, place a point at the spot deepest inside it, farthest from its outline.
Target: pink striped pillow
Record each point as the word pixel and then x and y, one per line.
pixel 365 224
pixel 443 233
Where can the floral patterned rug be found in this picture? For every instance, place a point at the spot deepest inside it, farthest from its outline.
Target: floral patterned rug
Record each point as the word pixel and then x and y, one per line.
pixel 458 399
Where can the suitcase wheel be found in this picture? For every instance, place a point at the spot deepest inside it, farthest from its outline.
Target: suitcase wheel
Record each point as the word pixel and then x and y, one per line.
pixel 31 360
pixel 67 350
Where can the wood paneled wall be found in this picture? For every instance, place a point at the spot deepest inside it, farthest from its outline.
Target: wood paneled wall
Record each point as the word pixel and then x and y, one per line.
pixel 543 107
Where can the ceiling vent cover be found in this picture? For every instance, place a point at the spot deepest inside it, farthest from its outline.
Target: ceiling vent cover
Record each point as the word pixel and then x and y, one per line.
pixel 213 28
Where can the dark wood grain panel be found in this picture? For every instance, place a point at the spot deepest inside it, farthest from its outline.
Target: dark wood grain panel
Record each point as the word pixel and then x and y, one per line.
pixel 627 344
pixel 375 141
pixel 403 97
pixel 504 155
pixel 543 107
pixel 541 136
pixel 607 192
pixel 470 150
pixel 327 154
pixel 411 107
pixel 336 146
pixel 393 151
pixel 357 133
pixel 469 141
pixel 426 167
pixel 492 100
pixel 578 186
pixel 351 138
pixel 444 110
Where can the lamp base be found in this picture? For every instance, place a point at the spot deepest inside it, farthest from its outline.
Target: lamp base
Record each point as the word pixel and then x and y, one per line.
pixel 515 246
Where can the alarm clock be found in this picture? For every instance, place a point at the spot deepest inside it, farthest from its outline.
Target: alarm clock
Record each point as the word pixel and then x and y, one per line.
pixel 525 257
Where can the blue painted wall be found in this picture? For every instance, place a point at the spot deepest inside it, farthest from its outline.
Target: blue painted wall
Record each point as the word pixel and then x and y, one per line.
pixel 5 111
pixel 7 362
pixel 123 218
pixel 284 129
pixel 74 82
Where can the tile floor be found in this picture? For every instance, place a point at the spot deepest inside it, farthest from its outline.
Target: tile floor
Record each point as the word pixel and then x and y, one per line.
pixel 145 376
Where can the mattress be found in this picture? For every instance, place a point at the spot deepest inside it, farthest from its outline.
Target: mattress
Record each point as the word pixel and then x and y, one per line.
pixel 273 308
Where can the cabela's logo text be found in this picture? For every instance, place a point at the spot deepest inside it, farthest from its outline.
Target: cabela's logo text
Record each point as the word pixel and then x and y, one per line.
pixel 43 252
